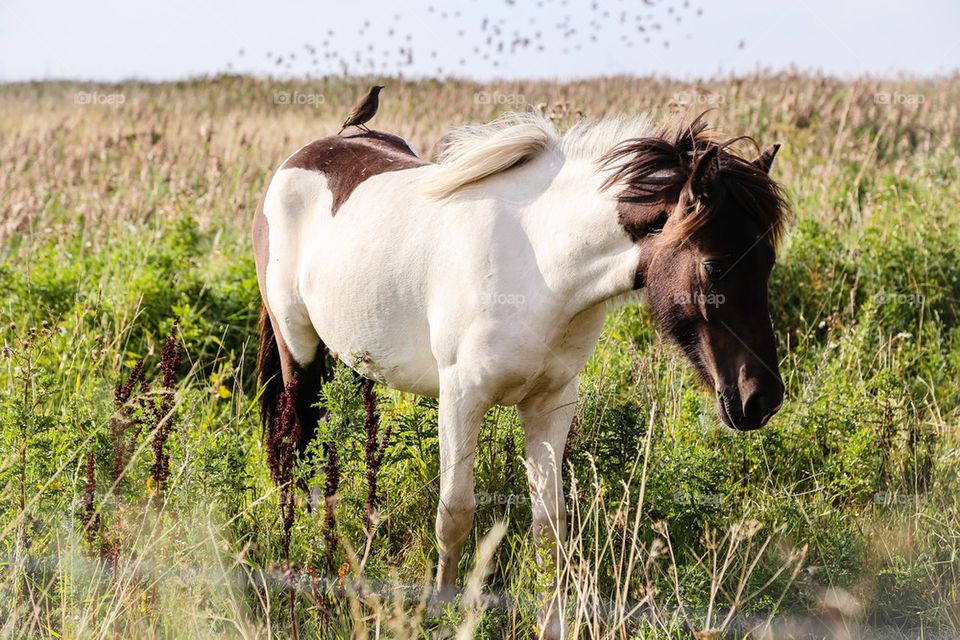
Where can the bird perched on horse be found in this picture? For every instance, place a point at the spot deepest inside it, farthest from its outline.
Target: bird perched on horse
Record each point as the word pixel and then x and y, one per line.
pixel 364 110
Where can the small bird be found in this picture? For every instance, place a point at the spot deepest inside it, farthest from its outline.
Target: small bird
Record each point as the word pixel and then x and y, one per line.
pixel 365 109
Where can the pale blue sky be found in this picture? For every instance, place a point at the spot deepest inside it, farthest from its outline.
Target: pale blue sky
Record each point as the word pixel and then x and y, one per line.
pixel 171 39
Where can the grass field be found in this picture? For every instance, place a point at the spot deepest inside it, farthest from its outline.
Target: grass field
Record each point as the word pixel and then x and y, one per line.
pixel 136 500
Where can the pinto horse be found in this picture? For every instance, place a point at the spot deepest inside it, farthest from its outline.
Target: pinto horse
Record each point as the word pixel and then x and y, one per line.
pixel 484 279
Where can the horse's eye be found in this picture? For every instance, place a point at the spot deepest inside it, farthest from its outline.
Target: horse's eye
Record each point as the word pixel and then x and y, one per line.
pixel 714 268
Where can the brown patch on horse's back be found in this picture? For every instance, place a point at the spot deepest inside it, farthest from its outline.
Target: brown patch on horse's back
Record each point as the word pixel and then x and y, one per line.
pixel 348 161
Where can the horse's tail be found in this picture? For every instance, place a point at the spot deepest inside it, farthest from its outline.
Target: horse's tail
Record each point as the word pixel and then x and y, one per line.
pixel 269 377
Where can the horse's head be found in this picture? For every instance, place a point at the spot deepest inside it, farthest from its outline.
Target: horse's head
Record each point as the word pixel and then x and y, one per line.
pixel 707 223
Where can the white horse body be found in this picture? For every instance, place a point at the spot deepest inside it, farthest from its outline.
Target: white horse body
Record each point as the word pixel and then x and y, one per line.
pixel 504 284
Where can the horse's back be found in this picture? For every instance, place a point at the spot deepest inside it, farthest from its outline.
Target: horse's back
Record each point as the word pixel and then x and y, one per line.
pixel 346 162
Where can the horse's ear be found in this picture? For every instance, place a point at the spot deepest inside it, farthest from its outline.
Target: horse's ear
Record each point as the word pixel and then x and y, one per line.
pixel 705 172
pixel 765 160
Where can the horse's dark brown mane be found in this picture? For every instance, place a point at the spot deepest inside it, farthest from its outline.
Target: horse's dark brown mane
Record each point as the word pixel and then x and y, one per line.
pixel 657 170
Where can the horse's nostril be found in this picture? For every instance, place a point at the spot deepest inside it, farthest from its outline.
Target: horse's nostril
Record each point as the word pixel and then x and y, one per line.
pixel 761 406
pixel 765 419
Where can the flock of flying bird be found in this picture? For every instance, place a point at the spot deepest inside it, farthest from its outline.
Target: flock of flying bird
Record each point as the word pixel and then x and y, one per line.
pixel 544 27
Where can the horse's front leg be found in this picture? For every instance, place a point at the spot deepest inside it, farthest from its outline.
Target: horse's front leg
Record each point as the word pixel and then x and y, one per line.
pixel 461 413
pixel 546 420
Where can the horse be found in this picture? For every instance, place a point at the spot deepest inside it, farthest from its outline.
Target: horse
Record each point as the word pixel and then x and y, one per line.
pixel 484 278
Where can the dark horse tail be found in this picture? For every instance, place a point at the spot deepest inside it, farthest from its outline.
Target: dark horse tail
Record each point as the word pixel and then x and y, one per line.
pixel 288 405
pixel 269 372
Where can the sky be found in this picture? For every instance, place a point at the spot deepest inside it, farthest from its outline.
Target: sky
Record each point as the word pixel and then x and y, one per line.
pixel 112 40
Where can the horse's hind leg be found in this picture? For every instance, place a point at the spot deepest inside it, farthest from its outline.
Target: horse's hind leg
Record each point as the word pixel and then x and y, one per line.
pixel 461 413
pixel 546 420
pixel 300 367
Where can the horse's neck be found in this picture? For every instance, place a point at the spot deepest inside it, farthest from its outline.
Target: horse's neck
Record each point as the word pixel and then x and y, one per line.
pixel 583 252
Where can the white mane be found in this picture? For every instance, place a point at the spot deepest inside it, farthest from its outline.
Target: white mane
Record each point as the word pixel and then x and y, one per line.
pixel 474 152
